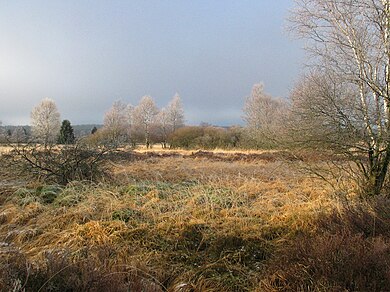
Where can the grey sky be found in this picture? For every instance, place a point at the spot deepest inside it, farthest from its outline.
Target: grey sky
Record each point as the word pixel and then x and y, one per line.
pixel 87 54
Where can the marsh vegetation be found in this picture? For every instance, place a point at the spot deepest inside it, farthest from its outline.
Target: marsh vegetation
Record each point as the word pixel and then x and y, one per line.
pixel 191 221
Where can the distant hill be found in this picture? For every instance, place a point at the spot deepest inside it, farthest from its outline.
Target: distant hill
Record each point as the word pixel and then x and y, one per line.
pixel 79 130
pixel 84 130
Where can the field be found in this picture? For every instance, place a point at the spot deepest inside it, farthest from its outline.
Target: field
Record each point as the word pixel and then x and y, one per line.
pixel 191 221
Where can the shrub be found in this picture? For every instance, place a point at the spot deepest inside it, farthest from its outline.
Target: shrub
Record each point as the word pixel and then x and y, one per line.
pixel 349 251
pixel 63 164
pixel 206 137
pixel 185 137
pixel 332 262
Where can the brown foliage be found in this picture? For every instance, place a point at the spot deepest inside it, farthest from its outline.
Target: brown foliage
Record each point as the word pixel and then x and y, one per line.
pixel 62 164
pixel 182 221
pixel 349 251
pixel 58 271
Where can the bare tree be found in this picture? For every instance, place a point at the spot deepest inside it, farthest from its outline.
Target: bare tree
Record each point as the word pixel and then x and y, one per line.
pixel 131 124
pixel 349 42
pixel 19 135
pixel 45 122
pixel 170 119
pixel 116 122
pixel 145 114
pixel 263 116
pixel 164 126
pixel 175 113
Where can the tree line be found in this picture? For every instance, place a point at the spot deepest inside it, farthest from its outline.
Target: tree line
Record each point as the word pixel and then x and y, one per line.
pixel 144 123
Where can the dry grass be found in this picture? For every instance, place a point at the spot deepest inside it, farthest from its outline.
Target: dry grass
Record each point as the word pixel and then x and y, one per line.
pixel 159 149
pixel 5 149
pixel 176 222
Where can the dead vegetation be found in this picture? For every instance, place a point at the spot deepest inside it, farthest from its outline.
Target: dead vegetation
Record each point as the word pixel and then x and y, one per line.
pixel 200 221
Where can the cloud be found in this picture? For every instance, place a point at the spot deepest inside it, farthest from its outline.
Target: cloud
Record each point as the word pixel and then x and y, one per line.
pixel 86 57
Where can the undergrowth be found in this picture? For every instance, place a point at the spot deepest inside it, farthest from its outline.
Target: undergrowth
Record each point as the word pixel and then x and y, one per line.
pixel 191 224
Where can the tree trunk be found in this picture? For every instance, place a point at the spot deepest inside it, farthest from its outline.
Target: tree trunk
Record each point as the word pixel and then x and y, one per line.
pixel 378 173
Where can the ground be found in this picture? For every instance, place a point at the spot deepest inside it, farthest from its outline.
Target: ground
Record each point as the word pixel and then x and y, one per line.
pixel 188 221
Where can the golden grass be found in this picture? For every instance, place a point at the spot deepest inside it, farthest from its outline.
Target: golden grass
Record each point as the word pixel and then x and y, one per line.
pixel 159 149
pixel 5 149
pixel 194 221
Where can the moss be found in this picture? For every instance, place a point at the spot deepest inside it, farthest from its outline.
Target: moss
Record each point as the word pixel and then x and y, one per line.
pixel 43 194
pixel 49 193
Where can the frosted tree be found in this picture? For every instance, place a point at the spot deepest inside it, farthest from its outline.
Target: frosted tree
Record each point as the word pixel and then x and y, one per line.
pixel 350 45
pixel 170 119
pixel 115 123
pixel 263 115
pixel 164 126
pixel 19 135
pixel 131 129
pixel 175 113
pixel 145 114
pixel 45 122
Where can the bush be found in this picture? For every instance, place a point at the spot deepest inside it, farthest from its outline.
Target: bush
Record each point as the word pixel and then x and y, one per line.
pixel 349 251
pixel 63 164
pixel 332 262
pixel 207 137
pixel 185 137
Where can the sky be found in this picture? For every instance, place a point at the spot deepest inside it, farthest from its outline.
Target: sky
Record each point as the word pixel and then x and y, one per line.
pixel 86 54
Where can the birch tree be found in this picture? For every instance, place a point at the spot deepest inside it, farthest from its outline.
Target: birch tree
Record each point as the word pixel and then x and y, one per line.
pixel 115 123
pixel 45 122
pixel 349 45
pixel 164 126
pixel 131 124
pixel 145 114
pixel 175 113
pixel 263 116
pixel 170 119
